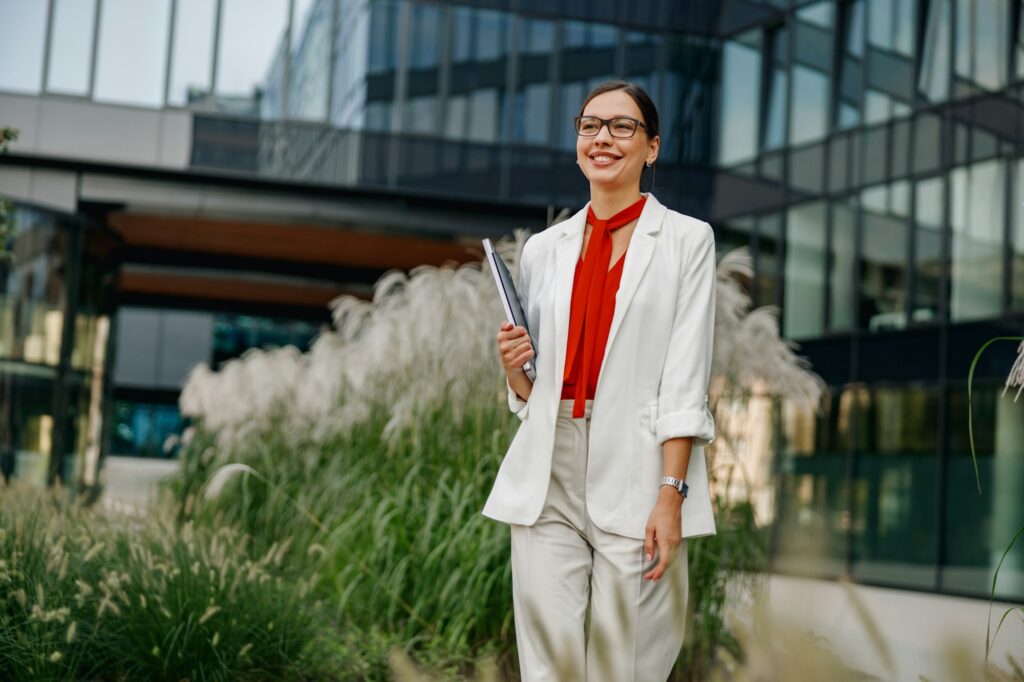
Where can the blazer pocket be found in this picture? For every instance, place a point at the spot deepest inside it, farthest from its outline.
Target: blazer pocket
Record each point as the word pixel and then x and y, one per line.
pixel 652 415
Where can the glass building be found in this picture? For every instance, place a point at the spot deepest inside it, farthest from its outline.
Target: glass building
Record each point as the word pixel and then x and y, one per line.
pixel 869 153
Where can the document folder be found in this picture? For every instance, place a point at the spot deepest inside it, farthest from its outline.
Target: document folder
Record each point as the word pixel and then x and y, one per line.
pixel 510 299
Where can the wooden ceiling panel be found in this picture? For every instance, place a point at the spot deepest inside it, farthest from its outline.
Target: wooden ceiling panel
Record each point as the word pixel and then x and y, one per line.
pixel 286 241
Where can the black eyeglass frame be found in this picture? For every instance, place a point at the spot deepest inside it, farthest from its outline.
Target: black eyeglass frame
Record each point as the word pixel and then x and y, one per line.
pixel 608 122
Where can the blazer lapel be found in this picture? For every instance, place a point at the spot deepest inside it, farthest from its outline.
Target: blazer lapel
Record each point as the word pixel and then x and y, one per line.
pixel 637 258
pixel 567 252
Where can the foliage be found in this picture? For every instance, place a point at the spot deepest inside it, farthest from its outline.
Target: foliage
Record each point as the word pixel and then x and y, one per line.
pixel 1015 378
pixel 83 596
pixel 377 449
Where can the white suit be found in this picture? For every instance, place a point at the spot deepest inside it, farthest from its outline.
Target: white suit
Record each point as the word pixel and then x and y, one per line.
pixel 652 385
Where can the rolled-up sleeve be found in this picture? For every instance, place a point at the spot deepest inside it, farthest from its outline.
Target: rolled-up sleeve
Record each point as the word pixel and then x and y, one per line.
pixel 520 407
pixel 682 399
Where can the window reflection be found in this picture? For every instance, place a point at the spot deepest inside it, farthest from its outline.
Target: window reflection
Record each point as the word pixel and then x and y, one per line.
pixel 71 46
pixel 981 45
pixel 33 289
pixel 351 63
pixel 1017 237
pixel 843 250
pixel 773 127
pixel 894 526
pixel 311 56
pixel 766 259
pixel 813 59
pixel 192 52
pixel 130 60
pixel 251 53
pixel 22 40
pixel 848 109
pixel 976 216
pixel 804 307
pixel 928 267
pixel 890 55
pixel 979 527
pixel 933 82
pixel 140 429
pixel 741 88
pixel 813 486
pixel 884 257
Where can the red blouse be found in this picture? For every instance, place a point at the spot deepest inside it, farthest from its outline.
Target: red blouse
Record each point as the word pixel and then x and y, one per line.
pixel 604 323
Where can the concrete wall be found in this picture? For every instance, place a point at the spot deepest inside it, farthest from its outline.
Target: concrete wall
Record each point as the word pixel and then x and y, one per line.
pixel 76 128
pixel 920 629
pixel 157 348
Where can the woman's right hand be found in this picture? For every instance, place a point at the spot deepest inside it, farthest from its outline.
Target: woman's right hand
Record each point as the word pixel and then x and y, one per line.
pixel 514 347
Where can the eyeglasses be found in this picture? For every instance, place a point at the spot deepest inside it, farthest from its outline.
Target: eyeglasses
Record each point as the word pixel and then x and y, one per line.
pixel 624 126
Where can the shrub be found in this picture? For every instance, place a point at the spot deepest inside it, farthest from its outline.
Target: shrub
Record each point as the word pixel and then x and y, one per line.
pixel 83 596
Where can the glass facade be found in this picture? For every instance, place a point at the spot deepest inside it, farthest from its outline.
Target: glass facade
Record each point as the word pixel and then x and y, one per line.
pixel 890 148
pixel 870 153
pixel 53 347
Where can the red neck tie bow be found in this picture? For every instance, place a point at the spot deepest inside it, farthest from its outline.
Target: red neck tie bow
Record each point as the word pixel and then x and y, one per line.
pixel 587 297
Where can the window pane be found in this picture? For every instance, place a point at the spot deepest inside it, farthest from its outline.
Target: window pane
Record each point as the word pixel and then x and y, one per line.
pixel 252 41
pixel 741 87
pixel 981 46
pixel 192 52
pixel 351 63
pixel 533 115
pixel 483 116
pixel 766 265
pixel 979 527
pixel 813 493
pixel 311 56
pixel 934 78
pixel 809 105
pixel 844 236
pixel 71 46
pixel 130 62
pixel 895 498
pixel 22 40
pixel 848 109
pixel 927 142
pixel 928 249
pixel 804 307
pixel 1017 254
pixel 384 36
pixel 977 254
pixel 813 44
pixel 774 125
pixel 536 36
pixel 426 36
pixel 883 265
pixel 890 55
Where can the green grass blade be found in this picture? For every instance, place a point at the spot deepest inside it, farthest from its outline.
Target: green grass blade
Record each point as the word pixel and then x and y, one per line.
pixel 970 411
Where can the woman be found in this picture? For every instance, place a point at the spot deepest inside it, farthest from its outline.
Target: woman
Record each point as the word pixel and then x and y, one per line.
pixel 606 476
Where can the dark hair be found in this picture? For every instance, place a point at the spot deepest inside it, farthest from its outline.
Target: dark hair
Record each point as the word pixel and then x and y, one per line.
pixel 648 111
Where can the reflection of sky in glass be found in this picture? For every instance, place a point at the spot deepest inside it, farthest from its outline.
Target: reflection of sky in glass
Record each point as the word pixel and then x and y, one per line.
pixel 130 61
pixel 22 34
pixel 741 85
pixel 251 33
pixel 71 46
pixel 193 49
pixel 809 106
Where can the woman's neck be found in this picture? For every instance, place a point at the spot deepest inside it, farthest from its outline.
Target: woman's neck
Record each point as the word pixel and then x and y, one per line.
pixel 606 203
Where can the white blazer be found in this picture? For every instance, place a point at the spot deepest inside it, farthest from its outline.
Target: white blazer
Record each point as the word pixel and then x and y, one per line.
pixel 653 380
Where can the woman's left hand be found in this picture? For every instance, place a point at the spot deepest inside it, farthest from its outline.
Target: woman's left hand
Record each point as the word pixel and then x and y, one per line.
pixel 663 528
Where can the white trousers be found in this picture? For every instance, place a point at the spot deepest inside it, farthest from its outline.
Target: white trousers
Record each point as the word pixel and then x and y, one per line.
pixel 564 563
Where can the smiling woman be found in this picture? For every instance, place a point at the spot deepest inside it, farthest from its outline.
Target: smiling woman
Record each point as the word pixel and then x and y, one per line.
pixel 606 477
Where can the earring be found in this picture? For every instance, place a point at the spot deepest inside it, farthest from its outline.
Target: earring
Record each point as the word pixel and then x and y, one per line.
pixel 648 164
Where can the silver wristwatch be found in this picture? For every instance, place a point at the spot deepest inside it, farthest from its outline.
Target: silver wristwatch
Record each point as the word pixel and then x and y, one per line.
pixel 676 483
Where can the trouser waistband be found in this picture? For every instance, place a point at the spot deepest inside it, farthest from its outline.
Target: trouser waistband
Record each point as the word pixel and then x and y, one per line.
pixel 565 408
